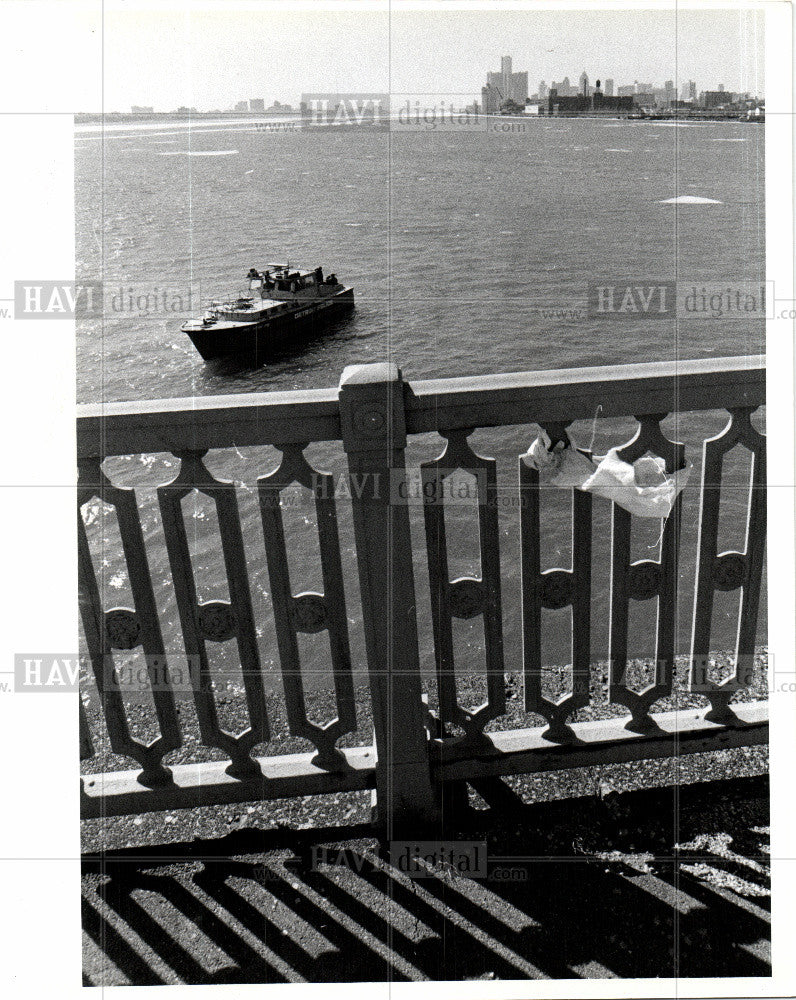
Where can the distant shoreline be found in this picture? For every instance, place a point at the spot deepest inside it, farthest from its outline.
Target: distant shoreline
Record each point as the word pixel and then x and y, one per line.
pixel 246 117
pixel 98 117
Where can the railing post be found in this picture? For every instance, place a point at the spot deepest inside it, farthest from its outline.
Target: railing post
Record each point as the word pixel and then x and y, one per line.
pixel 374 438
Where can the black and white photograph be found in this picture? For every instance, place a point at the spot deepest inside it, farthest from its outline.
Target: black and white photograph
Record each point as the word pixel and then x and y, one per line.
pixel 388 502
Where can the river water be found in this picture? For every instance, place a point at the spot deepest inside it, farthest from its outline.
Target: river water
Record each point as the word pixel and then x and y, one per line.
pixel 469 252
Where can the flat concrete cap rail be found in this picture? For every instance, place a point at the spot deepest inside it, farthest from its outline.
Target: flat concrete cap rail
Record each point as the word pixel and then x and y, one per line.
pixel 246 419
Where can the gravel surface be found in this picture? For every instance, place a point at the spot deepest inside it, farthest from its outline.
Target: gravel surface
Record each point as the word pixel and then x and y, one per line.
pixel 354 807
pixel 655 883
pixel 658 868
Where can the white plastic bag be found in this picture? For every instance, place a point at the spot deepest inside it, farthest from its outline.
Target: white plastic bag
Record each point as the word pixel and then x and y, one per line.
pixel 557 466
pixel 643 488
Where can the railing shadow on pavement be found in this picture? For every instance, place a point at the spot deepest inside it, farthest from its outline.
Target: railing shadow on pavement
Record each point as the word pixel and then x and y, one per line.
pixel 266 906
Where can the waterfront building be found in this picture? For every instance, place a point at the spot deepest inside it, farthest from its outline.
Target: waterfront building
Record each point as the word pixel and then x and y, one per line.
pixel 626 91
pixel 645 99
pixel 713 98
pixel 490 99
pixel 665 95
pixel 242 106
pixel 257 104
pixel 688 92
pixel 519 87
pixel 563 89
pixel 510 86
pixel 596 103
pixel 138 109
pixel 511 107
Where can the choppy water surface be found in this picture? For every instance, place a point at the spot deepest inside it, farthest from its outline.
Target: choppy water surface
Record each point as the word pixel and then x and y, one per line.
pixel 469 253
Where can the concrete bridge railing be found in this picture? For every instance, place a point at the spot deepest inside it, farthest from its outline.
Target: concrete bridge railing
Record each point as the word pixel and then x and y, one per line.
pixel 416 750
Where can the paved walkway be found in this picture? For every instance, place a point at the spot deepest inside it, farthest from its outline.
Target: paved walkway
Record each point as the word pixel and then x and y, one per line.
pixel 647 883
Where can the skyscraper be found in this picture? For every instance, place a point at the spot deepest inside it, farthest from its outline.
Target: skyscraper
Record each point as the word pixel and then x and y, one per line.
pixel 508 85
pixel 584 84
pixel 609 88
pixel 491 97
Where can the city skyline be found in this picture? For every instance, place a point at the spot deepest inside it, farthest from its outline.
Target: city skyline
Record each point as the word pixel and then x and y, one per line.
pixel 515 85
pixel 206 61
pixel 688 90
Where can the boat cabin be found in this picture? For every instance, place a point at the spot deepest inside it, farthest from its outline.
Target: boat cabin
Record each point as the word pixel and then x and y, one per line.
pixel 277 281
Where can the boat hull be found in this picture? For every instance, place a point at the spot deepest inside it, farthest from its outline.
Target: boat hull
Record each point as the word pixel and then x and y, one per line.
pixel 261 339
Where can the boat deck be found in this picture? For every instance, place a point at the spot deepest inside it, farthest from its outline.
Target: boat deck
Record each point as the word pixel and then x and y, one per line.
pixel 267 309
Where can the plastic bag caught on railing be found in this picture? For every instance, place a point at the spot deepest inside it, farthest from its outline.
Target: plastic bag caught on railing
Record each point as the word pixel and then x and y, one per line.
pixel 644 488
pixel 559 465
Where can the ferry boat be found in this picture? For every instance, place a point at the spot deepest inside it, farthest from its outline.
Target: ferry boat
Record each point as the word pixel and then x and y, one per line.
pixel 282 303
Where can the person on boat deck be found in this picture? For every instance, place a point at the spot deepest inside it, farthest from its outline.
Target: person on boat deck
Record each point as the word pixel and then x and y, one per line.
pixel 319 275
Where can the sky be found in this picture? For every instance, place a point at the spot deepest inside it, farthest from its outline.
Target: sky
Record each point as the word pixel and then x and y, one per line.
pixel 194 55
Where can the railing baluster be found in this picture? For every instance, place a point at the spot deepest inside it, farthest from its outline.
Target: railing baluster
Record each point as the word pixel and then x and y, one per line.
pixel 144 598
pixel 86 742
pixel 439 575
pixel 554 589
pixel 728 571
pixel 466 597
pixel 125 628
pixel 309 612
pixel 215 621
pixel 644 580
